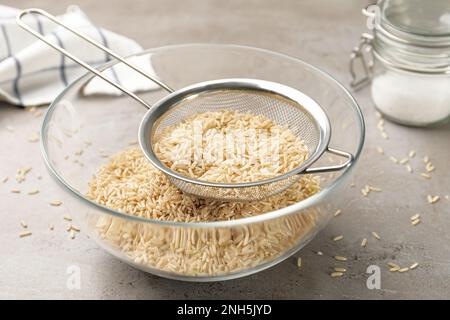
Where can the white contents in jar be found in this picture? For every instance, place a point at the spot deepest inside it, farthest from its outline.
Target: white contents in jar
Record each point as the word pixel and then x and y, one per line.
pixel 412 99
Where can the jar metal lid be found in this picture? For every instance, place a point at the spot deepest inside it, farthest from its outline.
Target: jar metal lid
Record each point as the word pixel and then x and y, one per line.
pixel 408 35
pixel 414 22
pixel 420 19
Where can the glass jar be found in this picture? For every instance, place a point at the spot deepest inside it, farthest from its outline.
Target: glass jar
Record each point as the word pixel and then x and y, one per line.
pixel 406 60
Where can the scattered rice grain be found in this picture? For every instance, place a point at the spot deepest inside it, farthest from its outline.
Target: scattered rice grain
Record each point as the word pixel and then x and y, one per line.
pixel 34 137
pixel 375 235
pixel 393 159
pixel 25 234
pixel 433 199
pixel 74 228
pixel 393 265
pixel 380 150
pixel 413 266
pixel 21 174
pixel 364 242
pixel 336 274
pixel 340 258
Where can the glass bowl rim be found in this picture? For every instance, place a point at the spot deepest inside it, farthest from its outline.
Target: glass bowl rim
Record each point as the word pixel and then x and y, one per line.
pixel 301 205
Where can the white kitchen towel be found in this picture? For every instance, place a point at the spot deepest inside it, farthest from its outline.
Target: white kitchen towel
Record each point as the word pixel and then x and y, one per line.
pixel 32 73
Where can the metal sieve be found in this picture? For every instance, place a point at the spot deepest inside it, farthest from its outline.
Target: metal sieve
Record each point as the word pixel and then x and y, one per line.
pixel 284 105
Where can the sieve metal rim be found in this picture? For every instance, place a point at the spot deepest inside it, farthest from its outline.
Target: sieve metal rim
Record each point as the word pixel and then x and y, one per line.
pixel 170 101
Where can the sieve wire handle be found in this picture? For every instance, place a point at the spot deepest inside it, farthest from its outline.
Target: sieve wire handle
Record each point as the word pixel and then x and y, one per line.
pixel 52 18
pixel 337 167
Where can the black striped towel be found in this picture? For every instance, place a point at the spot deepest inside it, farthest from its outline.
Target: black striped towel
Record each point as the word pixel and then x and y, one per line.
pixel 32 73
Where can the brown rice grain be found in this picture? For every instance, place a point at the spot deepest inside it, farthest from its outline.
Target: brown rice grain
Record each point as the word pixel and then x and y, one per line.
pixel 394 269
pixel 340 258
pixel 375 235
pixel 336 274
pixel 380 150
pixel 34 137
pixel 413 266
pixel 393 265
pixel 364 242
pixel 393 159
pixel 338 212
pixel 25 234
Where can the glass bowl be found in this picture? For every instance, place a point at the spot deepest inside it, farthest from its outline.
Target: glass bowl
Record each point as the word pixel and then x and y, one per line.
pixel 79 132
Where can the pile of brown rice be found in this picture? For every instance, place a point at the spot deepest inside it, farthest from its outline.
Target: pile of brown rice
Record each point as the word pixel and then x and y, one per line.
pixel 130 184
pixel 229 147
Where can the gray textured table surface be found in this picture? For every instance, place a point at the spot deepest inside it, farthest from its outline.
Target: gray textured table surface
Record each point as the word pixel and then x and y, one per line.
pixel 316 31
